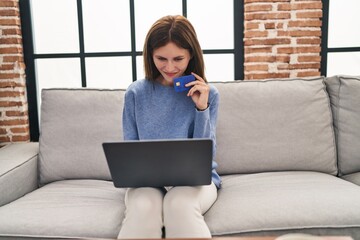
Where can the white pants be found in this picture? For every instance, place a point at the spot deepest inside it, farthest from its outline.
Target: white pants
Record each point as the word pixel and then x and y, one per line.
pixel 180 210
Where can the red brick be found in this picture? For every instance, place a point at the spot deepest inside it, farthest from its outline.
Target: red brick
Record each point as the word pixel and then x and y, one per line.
pixel 260 59
pixel 311 58
pixel 251 34
pixel 11 31
pixel 268 41
pixel 13 122
pixel 4 139
pixel 4 94
pixel 267 16
pixel 20 130
pixel 9 75
pixel 3 131
pixel 285 59
pixel 258 50
pixel 304 66
pixel 283 67
pixel 4 3
pixel 292 50
pixel 9 13
pixel 11 50
pixel 299 33
pixel 5 67
pixel 258 8
pixel 10 104
pixel 284 7
pixel 20 138
pixel 251 25
pixel 257 67
pixel 13 59
pixel 312 14
pixel 16 113
pixel 270 25
pixel 256 76
pixel 299 6
pixel 316 41
pixel 11 66
pixel 308 23
pixel 10 41
pixel 270 59
pixel 9 22
pixel 7 84
pixel 308 74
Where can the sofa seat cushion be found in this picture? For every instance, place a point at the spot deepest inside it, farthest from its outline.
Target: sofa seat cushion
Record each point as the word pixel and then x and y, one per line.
pixel 284 201
pixel 74 208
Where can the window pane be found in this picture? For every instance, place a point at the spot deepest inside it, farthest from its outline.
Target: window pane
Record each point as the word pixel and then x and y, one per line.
pixel 219 67
pixel 106 25
pixel 145 16
pixel 347 63
pixel 215 15
pixel 344 19
pixel 55 26
pixel 57 73
pixel 140 67
pixel 108 72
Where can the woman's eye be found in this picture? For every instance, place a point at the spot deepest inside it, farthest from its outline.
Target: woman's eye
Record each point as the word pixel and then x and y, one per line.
pixel 161 59
pixel 178 59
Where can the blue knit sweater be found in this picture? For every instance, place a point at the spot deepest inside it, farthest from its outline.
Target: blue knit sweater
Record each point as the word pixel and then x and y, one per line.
pixel 155 111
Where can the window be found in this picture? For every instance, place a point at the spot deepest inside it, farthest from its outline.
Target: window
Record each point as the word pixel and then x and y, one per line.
pixel 341 41
pixel 98 43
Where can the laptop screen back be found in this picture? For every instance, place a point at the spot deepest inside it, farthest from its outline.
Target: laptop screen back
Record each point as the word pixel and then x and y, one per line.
pixel 159 163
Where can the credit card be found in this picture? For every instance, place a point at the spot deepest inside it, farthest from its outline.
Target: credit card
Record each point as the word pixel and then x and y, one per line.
pixel 180 82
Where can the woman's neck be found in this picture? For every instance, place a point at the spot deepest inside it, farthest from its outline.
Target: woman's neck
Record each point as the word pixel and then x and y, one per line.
pixel 163 82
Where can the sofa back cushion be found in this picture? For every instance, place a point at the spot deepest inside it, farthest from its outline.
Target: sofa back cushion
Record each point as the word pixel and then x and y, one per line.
pixel 275 125
pixel 345 102
pixel 74 124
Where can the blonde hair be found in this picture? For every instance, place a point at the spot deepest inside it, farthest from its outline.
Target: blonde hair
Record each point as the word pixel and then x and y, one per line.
pixel 176 29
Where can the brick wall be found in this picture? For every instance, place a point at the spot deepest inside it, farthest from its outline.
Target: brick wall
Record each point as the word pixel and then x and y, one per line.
pixel 14 123
pixel 282 38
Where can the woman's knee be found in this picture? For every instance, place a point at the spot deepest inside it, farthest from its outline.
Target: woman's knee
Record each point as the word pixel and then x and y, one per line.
pixel 145 200
pixel 190 199
pixel 176 202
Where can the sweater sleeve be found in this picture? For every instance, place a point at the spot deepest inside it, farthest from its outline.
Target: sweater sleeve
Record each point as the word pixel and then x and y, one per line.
pixel 129 117
pixel 205 121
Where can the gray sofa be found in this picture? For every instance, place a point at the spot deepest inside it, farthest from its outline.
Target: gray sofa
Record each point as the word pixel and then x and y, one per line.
pixel 288 153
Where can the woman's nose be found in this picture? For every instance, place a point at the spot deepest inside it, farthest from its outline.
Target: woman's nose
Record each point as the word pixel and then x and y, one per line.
pixel 169 66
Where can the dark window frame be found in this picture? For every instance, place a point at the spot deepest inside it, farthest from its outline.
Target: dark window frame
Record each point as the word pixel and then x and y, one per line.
pixel 30 56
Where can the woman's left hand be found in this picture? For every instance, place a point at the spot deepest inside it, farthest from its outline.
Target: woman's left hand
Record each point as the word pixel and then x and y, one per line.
pixel 199 92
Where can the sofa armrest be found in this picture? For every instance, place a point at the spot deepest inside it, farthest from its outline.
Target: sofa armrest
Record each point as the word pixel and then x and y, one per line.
pixel 18 170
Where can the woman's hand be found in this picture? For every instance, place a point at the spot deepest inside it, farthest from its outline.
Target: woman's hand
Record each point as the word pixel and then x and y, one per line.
pixel 199 92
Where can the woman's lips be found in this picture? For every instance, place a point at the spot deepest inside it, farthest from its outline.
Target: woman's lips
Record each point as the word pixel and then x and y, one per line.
pixel 170 74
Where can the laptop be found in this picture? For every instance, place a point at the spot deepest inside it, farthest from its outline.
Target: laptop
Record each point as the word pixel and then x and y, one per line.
pixel 159 163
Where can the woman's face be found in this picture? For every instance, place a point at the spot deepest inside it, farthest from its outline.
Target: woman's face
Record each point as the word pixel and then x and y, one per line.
pixel 171 61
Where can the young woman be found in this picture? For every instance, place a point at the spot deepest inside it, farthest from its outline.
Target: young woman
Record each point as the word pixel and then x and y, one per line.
pixel 154 110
